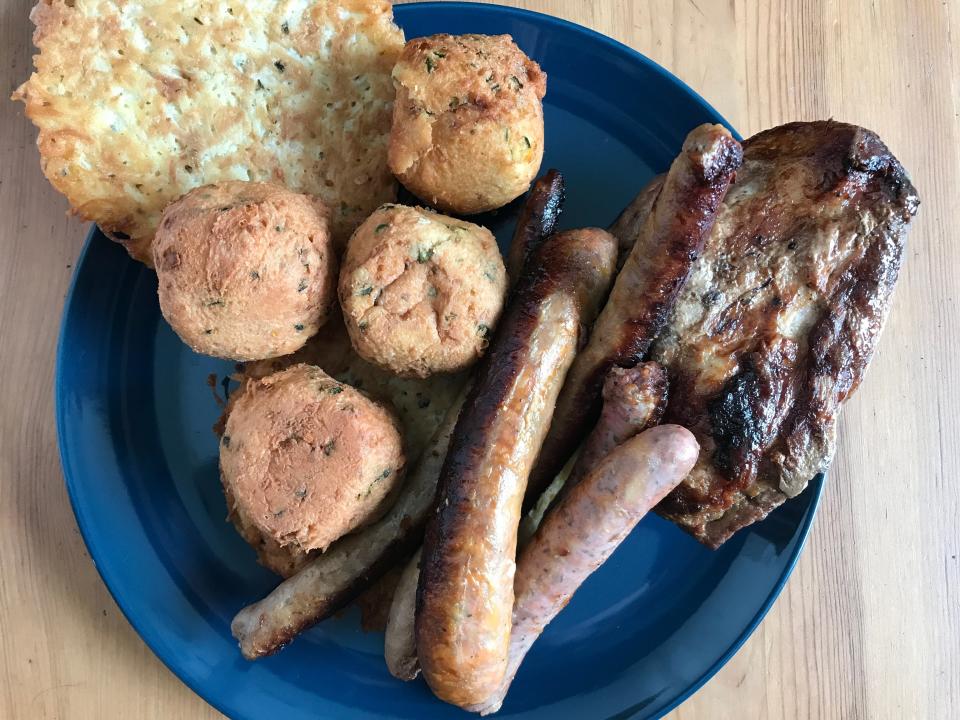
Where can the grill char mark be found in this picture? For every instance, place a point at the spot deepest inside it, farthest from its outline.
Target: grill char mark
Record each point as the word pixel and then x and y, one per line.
pixel 670 241
pixel 822 210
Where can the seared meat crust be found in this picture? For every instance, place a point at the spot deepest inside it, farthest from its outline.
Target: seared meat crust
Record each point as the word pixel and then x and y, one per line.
pixel 780 316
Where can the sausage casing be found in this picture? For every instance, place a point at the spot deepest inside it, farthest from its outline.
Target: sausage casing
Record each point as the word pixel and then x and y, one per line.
pixel 656 269
pixel 584 530
pixel 537 221
pixel 399 641
pixel 350 565
pixel 465 592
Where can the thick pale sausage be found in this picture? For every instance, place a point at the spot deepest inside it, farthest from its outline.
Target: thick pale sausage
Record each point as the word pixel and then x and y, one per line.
pixel 584 530
pixel 537 221
pixel 645 290
pixel 399 640
pixel 351 564
pixel 465 593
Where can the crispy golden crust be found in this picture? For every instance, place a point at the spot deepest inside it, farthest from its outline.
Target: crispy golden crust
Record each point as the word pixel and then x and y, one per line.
pixel 137 103
pixel 285 561
pixel 306 459
pixel 246 270
pixel 421 292
pixel 467 133
pixel 420 404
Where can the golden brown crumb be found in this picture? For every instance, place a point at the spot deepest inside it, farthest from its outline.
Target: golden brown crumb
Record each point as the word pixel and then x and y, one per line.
pixel 138 103
pixel 421 292
pixel 467 132
pixel 306 459
pixel 245 270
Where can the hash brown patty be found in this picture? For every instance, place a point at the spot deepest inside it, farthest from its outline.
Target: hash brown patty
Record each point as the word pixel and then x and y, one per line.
pixel 137 103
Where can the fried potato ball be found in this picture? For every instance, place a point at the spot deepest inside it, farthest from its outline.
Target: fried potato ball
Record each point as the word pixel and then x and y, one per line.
pixel 421 292
pixel 467 132
pixel 246 270
pixel 305 459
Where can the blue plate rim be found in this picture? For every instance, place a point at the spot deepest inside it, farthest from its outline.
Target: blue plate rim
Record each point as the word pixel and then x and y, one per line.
pixel 816 484
pixel 613 44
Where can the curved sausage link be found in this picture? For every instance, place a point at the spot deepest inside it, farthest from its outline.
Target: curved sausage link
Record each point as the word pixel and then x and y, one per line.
pixel 584 530
pixel 465 592
pixel 629 224
pixel 537 221
pixel 633 400
pixel 645 290
pixel 399 641
pixel 350 565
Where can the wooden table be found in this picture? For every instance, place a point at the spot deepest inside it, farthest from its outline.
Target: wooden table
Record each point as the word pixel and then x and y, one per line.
pixel 869 623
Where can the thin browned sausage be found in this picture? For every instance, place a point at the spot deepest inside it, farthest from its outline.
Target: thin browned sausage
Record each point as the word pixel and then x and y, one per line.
pixel 350 565
pixel 629 224
pixel 645 290
pixel 399 640
pixel 465 593
pixel 634 400
pixel 537 221
pixel 583 531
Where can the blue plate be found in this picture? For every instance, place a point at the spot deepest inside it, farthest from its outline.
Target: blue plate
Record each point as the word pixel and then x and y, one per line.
pixel 134 417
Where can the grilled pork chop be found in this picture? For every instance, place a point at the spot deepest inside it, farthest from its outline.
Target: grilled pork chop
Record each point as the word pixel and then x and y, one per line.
pixel 779 317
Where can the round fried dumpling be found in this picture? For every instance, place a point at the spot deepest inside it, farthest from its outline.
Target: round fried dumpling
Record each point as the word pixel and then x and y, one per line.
pixel 467 131
pixel 306 459
pixel 421 292
pixel 246 270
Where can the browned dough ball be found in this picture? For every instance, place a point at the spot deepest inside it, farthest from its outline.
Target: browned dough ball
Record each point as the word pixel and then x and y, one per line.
pixel 246 270
pixel 421 292
pixel 467 133
pixel 306 459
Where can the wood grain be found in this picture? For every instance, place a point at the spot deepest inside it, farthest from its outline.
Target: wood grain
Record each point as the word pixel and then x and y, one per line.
pixel 869 624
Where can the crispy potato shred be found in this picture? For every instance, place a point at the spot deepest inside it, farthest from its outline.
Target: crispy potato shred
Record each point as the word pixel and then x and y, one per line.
pixel 137 103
